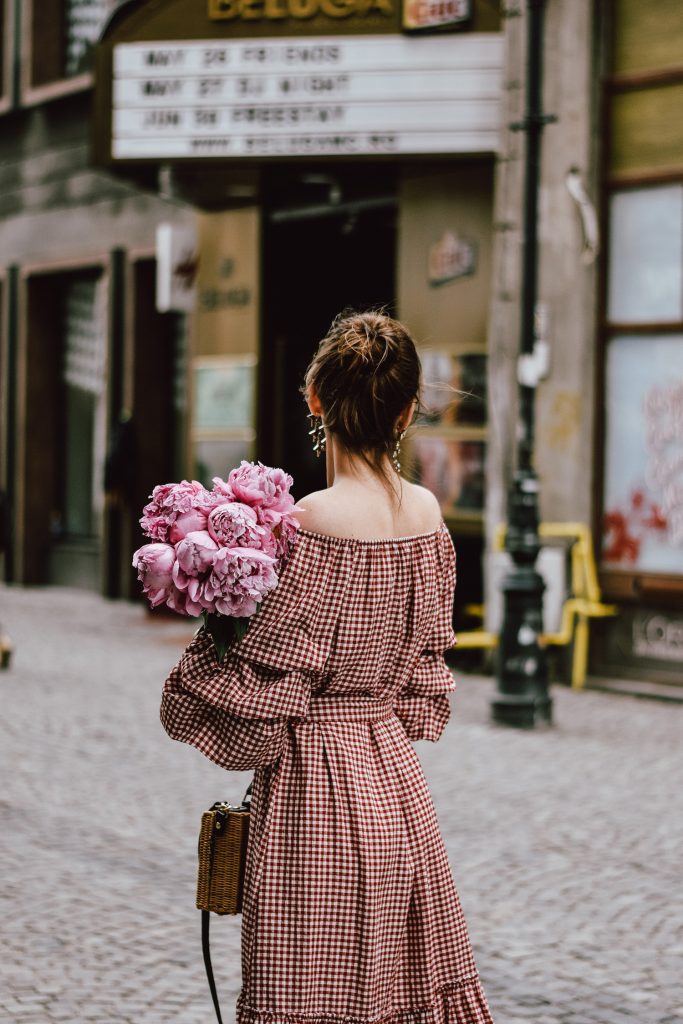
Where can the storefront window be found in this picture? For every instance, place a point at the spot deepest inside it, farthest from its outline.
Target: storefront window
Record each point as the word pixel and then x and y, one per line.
pixel 84 379
pixel 448 449
pixel 646 256
pixel 643 467
pixel 84 20
pixel 62 36
pixel 643 485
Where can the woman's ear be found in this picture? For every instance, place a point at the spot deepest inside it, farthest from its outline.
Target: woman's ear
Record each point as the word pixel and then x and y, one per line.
pixel 406 417
pixel 313 402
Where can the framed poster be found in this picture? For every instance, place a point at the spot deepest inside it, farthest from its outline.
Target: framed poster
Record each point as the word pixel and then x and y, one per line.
pixel 454 388
pixel 223 393
pixel 223 409
pixel 453 469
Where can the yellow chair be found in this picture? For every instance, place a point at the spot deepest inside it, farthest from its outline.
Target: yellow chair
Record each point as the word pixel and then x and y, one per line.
pixel 583 604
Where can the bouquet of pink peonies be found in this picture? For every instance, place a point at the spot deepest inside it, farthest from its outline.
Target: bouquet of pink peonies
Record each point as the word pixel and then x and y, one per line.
pixel 218 552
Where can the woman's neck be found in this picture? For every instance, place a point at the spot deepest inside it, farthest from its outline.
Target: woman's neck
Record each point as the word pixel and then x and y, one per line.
pixel 343 466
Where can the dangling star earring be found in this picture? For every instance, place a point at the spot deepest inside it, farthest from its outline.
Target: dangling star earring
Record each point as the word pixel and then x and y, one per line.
pixel 317 433
pixel 397 452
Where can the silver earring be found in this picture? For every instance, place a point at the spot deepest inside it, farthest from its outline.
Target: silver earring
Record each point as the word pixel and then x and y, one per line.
pixel 397 452
pixel 317 433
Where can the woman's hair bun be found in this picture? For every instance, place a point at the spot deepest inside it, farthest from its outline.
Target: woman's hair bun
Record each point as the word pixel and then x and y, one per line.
pixel 366 372
pixel 365 339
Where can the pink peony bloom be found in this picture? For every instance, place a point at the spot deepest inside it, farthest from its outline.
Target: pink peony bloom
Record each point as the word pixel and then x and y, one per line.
pixel 261 486
pixel 222 490
pixel 187 522
pixel 194 559
pixel 169 502
pixel 238 582
pixel 236 525
pixel 195 553
pixel 154 563
pixel 180 601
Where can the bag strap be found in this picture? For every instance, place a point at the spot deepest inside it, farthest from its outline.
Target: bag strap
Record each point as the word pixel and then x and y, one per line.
pixel 206 950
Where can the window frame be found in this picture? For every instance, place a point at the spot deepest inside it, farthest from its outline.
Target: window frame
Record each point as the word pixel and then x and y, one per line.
pixel 8 43
pixel 33 94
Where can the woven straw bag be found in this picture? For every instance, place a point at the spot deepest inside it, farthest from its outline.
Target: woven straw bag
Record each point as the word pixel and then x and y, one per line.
pixel 223 839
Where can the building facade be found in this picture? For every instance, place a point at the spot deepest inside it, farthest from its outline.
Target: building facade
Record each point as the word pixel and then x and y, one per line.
pixel 190 191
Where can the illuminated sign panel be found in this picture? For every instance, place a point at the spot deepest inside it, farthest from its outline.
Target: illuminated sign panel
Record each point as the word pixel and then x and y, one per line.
pixel 346 95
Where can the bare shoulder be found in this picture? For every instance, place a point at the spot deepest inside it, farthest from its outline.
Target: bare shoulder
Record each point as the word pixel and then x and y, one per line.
pixel 318 512
pixel 425 505
pixel 342 512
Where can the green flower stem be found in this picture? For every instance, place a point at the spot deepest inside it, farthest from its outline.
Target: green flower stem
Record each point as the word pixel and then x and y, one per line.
pixel 224 629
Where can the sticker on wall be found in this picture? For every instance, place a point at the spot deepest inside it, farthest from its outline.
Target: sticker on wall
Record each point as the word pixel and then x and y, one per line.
pixel 450 258
pixel 426 15
pixel 177 267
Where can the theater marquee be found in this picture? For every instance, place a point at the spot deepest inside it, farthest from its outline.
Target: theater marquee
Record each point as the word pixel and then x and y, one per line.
pixel 324 95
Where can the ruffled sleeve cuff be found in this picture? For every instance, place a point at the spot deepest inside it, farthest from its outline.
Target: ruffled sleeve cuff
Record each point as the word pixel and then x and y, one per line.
pixel 423 707
pixel 236 712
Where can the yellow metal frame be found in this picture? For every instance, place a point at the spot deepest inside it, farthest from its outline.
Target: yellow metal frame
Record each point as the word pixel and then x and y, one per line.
pixel 584 604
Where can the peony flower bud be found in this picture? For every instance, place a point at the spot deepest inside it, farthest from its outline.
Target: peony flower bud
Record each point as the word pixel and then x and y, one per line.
pixel 154 563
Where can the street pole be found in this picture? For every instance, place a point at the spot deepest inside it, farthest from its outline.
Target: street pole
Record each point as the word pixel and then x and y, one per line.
pixel 522 697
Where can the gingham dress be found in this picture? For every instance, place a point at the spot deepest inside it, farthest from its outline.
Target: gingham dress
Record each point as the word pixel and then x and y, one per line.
pixel 350 912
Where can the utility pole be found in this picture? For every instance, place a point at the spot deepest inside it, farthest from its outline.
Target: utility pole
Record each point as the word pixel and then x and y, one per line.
pixel 522 671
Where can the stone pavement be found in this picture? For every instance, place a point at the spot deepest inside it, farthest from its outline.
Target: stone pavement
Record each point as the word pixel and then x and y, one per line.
pixel 565 844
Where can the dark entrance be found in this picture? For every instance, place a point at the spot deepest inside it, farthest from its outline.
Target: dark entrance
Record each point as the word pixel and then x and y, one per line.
pixel 319 258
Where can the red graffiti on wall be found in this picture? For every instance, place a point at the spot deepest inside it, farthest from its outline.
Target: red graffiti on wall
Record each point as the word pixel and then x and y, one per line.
pixel 625 530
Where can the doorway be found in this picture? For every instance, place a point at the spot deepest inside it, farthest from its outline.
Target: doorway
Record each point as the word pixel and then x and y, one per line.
pixel 318 261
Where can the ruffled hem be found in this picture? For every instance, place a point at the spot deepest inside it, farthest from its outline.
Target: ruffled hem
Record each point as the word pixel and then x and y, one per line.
pixel 459 1002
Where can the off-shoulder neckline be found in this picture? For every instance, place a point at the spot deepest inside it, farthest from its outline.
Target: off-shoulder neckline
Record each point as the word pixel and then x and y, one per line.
pixel 373 541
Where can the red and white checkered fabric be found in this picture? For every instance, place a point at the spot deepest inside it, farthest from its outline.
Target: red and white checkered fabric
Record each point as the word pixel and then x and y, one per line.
pixel 350 914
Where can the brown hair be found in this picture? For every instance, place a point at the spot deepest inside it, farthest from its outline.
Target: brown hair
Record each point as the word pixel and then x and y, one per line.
pixel 366 371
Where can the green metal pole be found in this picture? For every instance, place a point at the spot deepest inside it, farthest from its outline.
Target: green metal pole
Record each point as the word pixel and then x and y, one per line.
pixel 522 697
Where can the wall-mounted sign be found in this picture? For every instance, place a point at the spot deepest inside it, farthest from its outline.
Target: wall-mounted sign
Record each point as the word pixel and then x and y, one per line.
pixel 281 10
pixel 451 257
pixel 333 95
pixel 423 15
pixel 177 266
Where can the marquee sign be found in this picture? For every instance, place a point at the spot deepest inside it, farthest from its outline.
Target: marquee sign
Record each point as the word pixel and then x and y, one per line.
pixel 336 95
pixel 417 15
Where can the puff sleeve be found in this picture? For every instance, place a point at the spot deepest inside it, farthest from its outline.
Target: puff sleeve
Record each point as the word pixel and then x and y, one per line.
pixel 422 703
pixel 236 712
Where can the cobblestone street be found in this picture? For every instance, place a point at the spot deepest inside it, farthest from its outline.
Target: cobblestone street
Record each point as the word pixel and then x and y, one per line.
pixel 565 844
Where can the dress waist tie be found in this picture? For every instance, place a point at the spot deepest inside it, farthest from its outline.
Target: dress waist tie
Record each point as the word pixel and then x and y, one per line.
pixel 348 709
